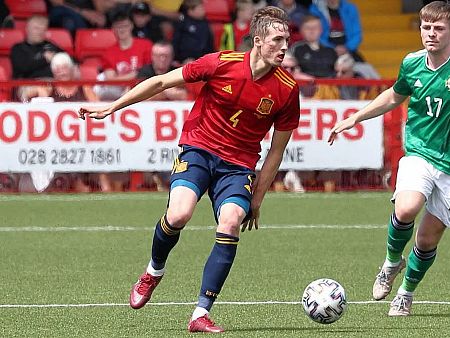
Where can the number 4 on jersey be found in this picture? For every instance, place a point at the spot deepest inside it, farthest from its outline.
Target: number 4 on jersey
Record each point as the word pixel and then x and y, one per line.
pixel 234 118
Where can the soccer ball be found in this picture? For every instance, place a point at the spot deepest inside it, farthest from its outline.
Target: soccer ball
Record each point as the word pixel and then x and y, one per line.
pixel 324 300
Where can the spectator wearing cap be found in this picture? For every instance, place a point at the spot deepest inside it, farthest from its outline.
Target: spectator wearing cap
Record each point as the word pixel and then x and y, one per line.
pixel 147 25
pixel 122 61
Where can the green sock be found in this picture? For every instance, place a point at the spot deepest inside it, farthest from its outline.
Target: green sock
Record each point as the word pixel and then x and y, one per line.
pixel 399 234
pixel 418 263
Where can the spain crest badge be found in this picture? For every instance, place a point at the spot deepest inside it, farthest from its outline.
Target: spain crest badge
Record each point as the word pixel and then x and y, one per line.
pixel 265 106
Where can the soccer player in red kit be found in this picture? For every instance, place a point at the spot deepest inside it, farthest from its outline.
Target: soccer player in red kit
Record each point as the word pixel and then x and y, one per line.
pixel 244 96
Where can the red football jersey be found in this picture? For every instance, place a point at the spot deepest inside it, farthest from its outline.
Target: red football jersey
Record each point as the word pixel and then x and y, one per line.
pixel 233 112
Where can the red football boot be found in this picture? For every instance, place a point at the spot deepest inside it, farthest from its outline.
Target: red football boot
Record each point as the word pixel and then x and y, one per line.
pixel 142 290
pixel 204 324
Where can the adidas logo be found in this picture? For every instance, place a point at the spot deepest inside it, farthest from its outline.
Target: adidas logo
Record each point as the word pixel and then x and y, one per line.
pixel 418 84
pixel 227 89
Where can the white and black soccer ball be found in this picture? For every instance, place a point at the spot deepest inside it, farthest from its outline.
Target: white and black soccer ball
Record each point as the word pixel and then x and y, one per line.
pixel 324 300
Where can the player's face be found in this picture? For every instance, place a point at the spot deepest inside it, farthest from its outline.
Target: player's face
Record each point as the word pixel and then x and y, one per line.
pixel 275 44
pixel 435 36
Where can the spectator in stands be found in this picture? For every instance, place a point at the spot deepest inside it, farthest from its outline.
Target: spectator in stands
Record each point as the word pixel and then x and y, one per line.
pixel 122 61
pixel 192 37
pixel 291 65
pixel 235 32
pixel 344 70
pixel 76 14
pixel 31 58
pixel 314 58
pixel 145 24
pixel 162 62
pixel 341 27
pixel 63 69
pixel 295 11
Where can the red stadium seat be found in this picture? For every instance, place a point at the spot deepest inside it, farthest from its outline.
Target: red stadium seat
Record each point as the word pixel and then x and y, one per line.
pixel 88 71
pixel 20 24
pixel 217 10
pixel 93 42
pixel 95 62
pixel 5 63
pixel 217 30
pixel 5 93
pixel 26 8
pixel 62 38
pixel 8 38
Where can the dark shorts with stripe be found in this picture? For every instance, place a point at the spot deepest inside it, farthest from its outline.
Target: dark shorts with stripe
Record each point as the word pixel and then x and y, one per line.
pixel 202 171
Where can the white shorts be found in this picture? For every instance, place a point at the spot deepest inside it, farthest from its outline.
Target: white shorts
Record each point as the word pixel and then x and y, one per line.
pixel 416 174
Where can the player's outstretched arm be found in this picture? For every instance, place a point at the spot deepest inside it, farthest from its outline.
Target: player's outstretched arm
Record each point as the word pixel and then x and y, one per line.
pixel 266 175
pixel 383 103
pixel 142 91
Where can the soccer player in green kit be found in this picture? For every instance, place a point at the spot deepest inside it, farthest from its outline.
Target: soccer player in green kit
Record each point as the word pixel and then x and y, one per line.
pixel 424 172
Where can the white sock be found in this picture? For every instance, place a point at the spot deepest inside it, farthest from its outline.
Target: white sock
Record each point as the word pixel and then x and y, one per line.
pixel 153 272
pixel 390 264
pixel 403 292
pixel 199 312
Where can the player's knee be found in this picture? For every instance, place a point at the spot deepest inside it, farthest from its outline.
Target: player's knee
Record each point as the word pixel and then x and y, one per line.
pixel 406 213
pixel 426 241
pixel 231 217
pixel 179 217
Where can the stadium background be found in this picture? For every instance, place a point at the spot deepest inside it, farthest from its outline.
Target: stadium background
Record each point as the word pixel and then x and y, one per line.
pixel 68 260
pixel 383 51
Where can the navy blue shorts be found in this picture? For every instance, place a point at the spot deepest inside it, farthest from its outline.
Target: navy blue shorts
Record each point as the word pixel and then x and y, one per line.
pixel 202 171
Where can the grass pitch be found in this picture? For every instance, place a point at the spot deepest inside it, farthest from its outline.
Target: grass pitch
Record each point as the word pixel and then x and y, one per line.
pixel 68 262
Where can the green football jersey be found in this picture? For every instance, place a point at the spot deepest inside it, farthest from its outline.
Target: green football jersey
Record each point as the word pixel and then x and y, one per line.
pixel 427 131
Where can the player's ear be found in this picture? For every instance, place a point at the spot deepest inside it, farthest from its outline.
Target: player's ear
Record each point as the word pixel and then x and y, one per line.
pixel 257 41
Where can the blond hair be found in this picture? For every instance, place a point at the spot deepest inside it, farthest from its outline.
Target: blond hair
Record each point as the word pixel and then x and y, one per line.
pixel 265 18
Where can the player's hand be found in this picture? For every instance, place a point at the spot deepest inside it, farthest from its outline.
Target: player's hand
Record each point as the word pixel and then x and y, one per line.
pixel 348 123
pixel 253 221
pixel 94 113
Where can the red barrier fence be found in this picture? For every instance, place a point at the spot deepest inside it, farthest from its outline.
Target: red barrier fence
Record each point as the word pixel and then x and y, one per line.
pixel 392 122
